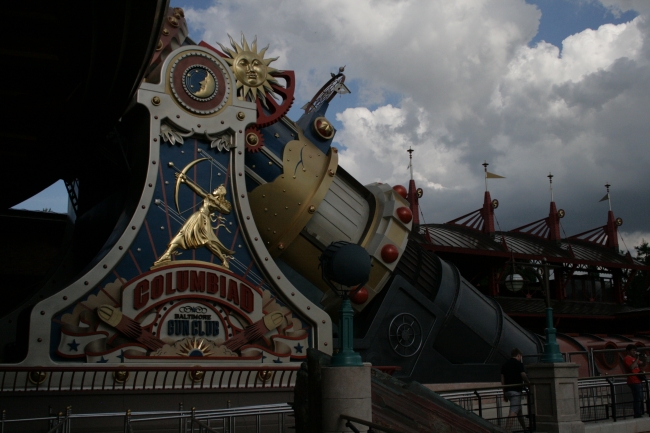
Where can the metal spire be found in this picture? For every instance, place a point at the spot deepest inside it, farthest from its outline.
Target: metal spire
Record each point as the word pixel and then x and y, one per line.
pixel 609 199
pixel 550 179
pixel 410 151
pixel 485 166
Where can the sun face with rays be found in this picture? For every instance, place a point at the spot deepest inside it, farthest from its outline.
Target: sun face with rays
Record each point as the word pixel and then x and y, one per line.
pixel 251 69
pixel 195 348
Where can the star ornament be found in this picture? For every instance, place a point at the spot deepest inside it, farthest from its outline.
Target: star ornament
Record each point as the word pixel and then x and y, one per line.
pixel 251 69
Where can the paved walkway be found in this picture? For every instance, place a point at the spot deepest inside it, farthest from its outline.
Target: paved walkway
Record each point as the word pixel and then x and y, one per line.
pixel 630 425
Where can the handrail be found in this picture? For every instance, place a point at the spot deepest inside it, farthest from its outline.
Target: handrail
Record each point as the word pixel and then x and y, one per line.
pixel 614 376
pixel 61 422
pixel 482 388
pixel 373 425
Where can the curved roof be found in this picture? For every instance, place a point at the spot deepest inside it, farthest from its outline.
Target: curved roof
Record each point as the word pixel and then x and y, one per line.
pixel 460 239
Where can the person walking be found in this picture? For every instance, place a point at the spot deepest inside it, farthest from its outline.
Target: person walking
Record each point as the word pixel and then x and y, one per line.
pixel 513 373
pixel 634 364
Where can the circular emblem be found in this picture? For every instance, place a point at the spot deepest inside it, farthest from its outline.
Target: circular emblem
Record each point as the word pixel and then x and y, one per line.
pixel 324 128
pixel 199 82
pixel 561 213
pixel 405 335
pixel 419 192
pixel 495 203
pixel 619 221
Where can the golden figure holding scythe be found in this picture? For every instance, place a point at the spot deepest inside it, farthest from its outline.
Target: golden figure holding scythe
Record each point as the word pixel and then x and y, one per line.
pixel 197 231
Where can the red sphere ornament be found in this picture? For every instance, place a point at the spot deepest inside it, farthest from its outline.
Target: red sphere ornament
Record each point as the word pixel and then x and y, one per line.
pixel 360 296
pixel 404 214
pixel 401 190
pixel 389 253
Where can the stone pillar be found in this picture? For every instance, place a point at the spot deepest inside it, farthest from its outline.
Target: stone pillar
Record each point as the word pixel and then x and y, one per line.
pixel 556 402
pixel 346 390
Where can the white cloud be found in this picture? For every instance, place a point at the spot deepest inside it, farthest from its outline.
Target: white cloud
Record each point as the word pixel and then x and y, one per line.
pixel 469 89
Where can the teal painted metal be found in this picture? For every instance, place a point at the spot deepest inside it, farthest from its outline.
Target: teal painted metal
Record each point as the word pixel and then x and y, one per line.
pixel 346 356
pixel 551 348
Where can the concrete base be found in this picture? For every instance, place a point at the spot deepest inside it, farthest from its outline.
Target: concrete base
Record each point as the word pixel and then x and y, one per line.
pixel 346 390
pixel 557 406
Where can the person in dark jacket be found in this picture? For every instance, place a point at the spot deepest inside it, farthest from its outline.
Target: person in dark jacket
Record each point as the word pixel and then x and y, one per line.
pixel 513 373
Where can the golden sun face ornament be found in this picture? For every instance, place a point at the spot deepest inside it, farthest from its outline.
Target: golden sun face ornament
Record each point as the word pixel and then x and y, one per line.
pixel 251 69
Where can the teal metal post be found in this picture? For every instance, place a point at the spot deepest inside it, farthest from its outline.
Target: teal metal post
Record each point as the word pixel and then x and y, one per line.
pixel 551 348
pixel 346 357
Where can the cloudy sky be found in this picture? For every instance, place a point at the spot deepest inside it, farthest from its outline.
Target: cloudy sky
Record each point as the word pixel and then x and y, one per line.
pixel 532 87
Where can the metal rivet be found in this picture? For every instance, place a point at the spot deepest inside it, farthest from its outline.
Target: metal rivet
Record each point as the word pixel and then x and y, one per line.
pixel 65 298
pixel 311 209
pixel 144 207
pixel 105 266
pixel 42 313
pixel 335 150
pixel 198 126
pixel 162 228
pixel 248 217
pixel 121 247
pixel 178 116
pixel 160 45
pixel 132 227
pixel 278 277
pixel 242 196
pixel 240 154
pixel 222 122
pixel 165 32
pixel 270 162
pixel 266 259
pixel 325 343
pixel 308 307
pixel 255 238
pixel 150 185
pixel 240 173
pixel 155 117
pixel 276 135
pixel 155 139
pixel 40 340
pixel 153 162
pixel 155 100
pixel 323 321
pixel 85 283
pixel 293 293
pixel 240 131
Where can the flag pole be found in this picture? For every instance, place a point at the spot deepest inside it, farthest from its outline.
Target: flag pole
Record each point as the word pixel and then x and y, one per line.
pixel 550 179
pixel 485 165
pixel 609 199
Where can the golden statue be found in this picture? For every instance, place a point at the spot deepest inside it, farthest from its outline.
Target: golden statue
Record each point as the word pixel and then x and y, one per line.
pixel 197 231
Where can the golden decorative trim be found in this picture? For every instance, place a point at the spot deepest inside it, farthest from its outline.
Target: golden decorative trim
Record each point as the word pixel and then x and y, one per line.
pixel 121 376
pixel 283 207
pixel 37 377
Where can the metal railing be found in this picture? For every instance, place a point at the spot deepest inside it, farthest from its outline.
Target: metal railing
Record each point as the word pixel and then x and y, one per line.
pixel 123 378
pixel 489 404
pixel 609 397
pixel 591 355
pixel 229 420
